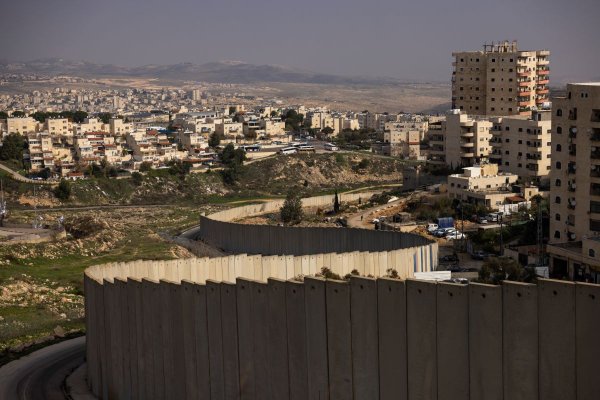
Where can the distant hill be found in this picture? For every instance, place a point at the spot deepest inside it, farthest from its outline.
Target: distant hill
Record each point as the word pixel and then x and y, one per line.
pixel 223 71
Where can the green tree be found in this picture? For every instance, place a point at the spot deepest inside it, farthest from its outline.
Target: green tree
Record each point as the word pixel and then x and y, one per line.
pixel 137 178
pixel 12 147
pixel 214 140
pixel 3 115
pixel 327 130
pixel 336 203
pixel 63 190
pixel 232 159
pixel 145 166
pixel 498 269
pixel 291 211
pixel 18 114
pixel 105 117
pixel 79 116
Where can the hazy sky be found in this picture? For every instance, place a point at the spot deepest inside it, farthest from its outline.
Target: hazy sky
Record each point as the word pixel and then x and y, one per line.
pixel 408 40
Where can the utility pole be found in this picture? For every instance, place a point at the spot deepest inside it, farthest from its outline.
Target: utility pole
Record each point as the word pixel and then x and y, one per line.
pixel 501 239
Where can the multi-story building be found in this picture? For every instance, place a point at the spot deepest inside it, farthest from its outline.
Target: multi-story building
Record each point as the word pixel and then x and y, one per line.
pixel 522 145
pixel 402 139
pixel 574 242
pixel 118 127
pixel 500 80
pixel 21 125
pixel 484 184
pixel 466 139
pixel 59 126
pixel 39 153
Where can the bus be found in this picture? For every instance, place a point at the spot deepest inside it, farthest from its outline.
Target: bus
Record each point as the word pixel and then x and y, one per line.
pixel 330 147
pixel 288 150
pixel 306 148
pixel 253 147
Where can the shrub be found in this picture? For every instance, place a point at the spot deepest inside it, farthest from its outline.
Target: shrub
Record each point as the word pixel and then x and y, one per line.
pixel 291 211
pixel 63 190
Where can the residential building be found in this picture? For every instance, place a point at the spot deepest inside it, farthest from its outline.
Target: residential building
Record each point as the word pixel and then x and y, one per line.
pixel 21 125
pixel 402 139
pixel 574 242
pixel 484 184
pixel 500 80
pixel 119 127
pixel 59 126
pixel 466 138
pixel 522 145
pixel 229 128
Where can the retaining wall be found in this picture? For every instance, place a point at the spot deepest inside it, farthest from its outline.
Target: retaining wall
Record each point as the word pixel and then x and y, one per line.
pixel 156 332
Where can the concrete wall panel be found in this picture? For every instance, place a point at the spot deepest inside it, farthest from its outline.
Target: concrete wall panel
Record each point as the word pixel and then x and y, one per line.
pixel 260 328
pixel 278 362
pixel 391 312
pixel 316 339
pixel 556 302
pixel 246 339
pixel 365 338
pixel 296 341
pixel 453 341
pixel 520 352
pixel 421 320
pixel 339 340
pixel 215 341
pixel 485 342
pixel 588 353
pixel 231 365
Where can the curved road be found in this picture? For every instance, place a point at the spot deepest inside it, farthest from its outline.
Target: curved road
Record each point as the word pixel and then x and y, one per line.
pixel 41 374
pixel 18 177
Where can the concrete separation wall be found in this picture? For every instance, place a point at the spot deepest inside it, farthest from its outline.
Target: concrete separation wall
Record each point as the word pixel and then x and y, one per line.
pixel 363 339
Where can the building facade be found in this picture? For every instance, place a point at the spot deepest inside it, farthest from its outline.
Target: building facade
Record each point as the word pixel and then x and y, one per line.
pixel 574 243
pixel 500 80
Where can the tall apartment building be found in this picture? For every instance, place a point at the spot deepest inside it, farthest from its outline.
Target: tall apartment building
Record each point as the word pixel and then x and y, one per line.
pixel 574 243
pixel 522 146
pixel 500 80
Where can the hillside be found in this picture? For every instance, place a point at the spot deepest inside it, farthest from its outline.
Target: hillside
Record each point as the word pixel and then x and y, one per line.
pixel 220 72
pixel 311 173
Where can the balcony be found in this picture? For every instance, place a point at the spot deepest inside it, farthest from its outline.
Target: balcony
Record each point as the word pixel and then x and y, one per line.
pixel 595 171
pixel 525 93
pixel 571 168
pixel 468 155
pixel 524 74
pixel 467 134
pixel 573 114
pixel 595 155
pixel 543 80
pixel 572 187
pixel 595 135
pixel 573 132
pixel 467 144
pixel 523 103
pixel 524 83
pixel 543 71
pixel 595 189
pixel 542 91
pixel 595 116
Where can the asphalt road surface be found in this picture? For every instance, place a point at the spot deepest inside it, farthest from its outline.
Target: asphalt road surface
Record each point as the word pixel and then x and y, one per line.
pixel 41 374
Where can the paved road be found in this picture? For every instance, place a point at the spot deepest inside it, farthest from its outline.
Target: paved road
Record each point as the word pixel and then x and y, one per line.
pixel 41 374
pixel 18 177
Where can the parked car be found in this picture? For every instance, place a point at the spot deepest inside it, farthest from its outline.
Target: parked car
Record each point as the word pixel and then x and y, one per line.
pixel 456 235
pixel 482 220
pixel 432 227
pixel 449 258
pixel 441 232
pixel 480 255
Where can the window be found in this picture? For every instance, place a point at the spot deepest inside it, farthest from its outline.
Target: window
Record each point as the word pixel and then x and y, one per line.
pixel 557 200
pixel 557 217
pixel 520 142
pixel 507 128
pixel 558 147
pixel 559 113
pixel 559 129
pixel 595 207
pixel 557 182
pixel 591 253
pixel 493 69
pixel 507 163
pixel 558 165
pixel 556 235
pixel 594 225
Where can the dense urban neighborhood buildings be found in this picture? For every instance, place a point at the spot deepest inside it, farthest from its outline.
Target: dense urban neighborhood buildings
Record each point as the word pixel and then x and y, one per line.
pixel 574 242
pixel 500 80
